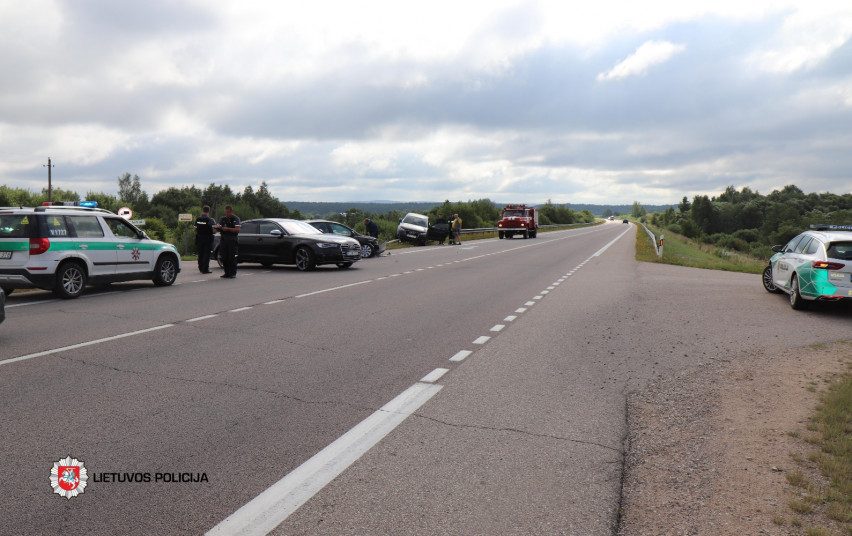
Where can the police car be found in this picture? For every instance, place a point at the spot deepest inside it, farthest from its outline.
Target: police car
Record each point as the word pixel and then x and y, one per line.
pixel 65 248
pixel 814 266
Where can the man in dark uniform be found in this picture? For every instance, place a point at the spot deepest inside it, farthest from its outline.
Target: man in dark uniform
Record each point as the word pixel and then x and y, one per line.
pixel 372 228
pixel 204 239
pixel 229 228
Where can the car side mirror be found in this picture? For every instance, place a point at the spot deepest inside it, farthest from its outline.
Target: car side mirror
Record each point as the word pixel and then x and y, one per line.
pixel 400 220
pixel 777 248
pixel 276 232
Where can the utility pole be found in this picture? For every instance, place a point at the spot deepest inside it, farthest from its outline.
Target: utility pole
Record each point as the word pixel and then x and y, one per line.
pixel 49 182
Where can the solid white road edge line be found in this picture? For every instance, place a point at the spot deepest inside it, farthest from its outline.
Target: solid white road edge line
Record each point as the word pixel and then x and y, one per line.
pixel 614 240
pixel 205 317
pixel 434 376
pixel 461 355
pixel 82 344
pixel 333 288
pixel 269 509
pixel 239 310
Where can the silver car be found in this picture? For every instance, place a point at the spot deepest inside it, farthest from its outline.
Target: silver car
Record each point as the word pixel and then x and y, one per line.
pixel 814 266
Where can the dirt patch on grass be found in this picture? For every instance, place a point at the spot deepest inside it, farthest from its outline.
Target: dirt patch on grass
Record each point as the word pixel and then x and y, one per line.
pixel 720 449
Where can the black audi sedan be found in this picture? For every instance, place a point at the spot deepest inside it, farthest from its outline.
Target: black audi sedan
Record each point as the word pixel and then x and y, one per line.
pixel 370 247
pixel 283 241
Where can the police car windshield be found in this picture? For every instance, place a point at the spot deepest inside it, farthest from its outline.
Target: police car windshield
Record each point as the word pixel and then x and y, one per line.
pixel 299 228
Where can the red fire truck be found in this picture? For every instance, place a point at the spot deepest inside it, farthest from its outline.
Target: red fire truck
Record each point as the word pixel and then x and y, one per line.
pixel 518 219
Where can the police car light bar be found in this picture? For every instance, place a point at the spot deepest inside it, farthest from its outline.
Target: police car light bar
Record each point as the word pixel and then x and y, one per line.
pixel 86 204
pixel 830 227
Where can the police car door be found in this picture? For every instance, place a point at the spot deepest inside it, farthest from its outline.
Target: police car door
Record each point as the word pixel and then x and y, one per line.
pixel 133 253
pixel 90 241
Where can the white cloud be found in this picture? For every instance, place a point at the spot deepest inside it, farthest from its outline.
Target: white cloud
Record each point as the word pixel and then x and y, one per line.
pixel 646 56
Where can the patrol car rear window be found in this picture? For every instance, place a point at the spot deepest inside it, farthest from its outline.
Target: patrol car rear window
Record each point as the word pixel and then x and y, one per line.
pixel 56 226
pixel 86 226
pixel 15 225
pixel 840 250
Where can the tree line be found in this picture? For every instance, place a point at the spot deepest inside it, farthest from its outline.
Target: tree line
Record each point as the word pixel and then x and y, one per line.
pixel 747 221
pixel 161 210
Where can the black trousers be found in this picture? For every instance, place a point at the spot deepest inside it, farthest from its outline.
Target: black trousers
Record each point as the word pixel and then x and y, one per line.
pixel 204 246
pixel 228 252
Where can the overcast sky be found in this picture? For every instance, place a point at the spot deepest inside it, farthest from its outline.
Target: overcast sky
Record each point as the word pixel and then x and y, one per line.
pixel 594 102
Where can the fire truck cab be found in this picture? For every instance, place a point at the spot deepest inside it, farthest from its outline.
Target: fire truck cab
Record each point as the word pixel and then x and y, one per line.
pixel 518 220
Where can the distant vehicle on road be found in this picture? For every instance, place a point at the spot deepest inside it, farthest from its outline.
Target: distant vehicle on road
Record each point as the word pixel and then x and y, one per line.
pixel 518 219
pixel 64 248
pixel 370 247
pixel 814 266
pixel 625 221
pixel 2 306
pixel 413 228
pixel 611 218
pixel 284 241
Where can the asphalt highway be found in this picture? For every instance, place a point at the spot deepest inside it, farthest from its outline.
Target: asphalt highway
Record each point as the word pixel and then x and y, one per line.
pixel 474 389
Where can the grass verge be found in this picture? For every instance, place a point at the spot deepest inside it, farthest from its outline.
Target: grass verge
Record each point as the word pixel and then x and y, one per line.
pixel 823 487
pixel 682 251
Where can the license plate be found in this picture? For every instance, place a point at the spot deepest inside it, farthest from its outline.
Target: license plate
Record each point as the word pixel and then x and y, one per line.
pixel 353 253
pixel 410 235
pixel 5 254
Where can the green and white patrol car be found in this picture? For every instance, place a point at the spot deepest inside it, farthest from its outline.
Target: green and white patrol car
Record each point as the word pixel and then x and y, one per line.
pixel 65 248
pixel 815 265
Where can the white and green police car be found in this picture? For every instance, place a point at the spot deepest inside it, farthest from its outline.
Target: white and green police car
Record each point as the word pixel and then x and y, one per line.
pixel 65 248
pixel 814 266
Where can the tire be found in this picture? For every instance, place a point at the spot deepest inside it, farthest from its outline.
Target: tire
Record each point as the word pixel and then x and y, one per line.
pixel 70 280
pixel 767 281
pixel 165 271
pixel 8 291
pixel 533 234
pixel 509 236
pixel 796 301
pixel 526 235
pixel 267 264
pixel 218 258
pixel 344 265
pixel 305 260
pixel 500 235
pixel 367 251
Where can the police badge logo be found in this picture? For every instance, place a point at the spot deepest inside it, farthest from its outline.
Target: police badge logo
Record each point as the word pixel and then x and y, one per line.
pixel 68 477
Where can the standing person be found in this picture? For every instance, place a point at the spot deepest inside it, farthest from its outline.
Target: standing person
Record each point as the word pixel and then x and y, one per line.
pixel 372 228
pixel 442 226
pixel 229 228
pixel 457 223
pixel 204 239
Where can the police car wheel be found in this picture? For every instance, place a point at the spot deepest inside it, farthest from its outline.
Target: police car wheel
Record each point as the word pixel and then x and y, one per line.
pixel 165 272
pixel 70 280
pixel 768 284
pixel 796 300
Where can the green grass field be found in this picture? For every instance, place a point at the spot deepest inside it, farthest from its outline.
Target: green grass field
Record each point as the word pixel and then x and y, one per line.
pixel 685 252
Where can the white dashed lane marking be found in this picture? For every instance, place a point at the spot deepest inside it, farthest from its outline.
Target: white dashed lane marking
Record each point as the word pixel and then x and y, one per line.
pixel 482 340
pixel 497 327
pixel 461 355
pixel 510 318
pixel 434 376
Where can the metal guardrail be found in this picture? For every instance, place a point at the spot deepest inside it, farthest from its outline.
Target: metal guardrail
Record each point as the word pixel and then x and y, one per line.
pixel 658 245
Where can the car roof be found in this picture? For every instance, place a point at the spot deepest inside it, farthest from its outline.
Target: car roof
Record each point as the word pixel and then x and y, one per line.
pixel 416 214
pixel 831 236
pixel 56 210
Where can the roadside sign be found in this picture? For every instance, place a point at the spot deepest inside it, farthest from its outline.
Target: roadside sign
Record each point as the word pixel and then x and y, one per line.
pixel 125 213
pixel 138 223
pixel 185 217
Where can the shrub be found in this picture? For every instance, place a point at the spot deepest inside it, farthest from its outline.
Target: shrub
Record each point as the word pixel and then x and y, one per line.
pixel 749 235
pixel 675 228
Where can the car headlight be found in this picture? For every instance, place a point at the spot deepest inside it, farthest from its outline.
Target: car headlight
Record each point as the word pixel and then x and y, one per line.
pixel 326 244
